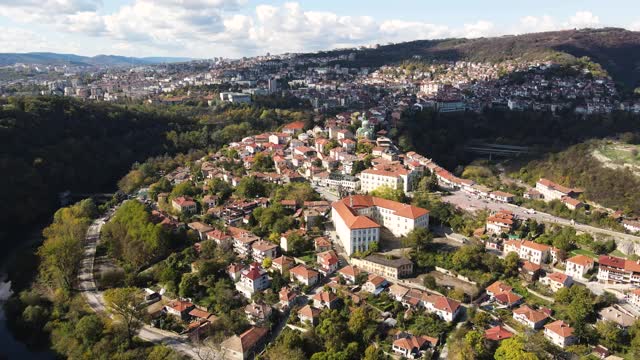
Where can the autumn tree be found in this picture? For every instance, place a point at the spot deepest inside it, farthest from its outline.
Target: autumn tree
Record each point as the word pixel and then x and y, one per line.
pixel 126 305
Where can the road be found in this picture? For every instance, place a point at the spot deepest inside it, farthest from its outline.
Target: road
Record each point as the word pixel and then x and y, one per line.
pixel 471 203
pixel 325 193
pixel 87 285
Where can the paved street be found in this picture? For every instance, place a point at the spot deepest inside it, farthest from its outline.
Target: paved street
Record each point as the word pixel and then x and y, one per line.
pixel 471 203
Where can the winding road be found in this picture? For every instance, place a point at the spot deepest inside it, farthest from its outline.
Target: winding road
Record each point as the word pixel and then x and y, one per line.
pixel 87 286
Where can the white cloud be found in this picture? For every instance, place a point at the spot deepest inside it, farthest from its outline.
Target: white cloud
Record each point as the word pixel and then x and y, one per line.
pixel 583 19
pixel 635 26
pixel 204 28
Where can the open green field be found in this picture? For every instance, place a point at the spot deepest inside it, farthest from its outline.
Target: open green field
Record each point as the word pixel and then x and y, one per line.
pixel 621 154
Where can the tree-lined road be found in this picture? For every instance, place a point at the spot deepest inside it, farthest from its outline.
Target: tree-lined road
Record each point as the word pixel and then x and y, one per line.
pixel 87 285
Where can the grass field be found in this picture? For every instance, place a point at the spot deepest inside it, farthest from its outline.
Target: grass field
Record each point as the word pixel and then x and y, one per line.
pixel 621 153
pixel 584 252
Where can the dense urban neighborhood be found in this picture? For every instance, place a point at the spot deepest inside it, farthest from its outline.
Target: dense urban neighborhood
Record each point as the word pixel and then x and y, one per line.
pixel 290 207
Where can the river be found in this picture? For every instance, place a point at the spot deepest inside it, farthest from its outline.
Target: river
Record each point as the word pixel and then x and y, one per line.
pixel 11 348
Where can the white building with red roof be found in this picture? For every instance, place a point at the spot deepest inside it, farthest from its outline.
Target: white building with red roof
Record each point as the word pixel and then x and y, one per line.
pixel 350 273
pixel 252 280
pixel 445 308
pixel 556 281
pixel 633 298
pixel 560 333
pixel 184 204
pixel 613 270
pixel 358 219
pixel 261 250
pixel 412 347
pixel 534 252
pixel 578 265
pixel 497 333
pixel 304 275
pixel 552 191
pixel 529 317
pixel 327 262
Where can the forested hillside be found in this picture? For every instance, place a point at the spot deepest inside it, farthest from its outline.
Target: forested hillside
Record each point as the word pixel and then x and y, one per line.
pixel 617 189
pixel 51 144
pixel 443 136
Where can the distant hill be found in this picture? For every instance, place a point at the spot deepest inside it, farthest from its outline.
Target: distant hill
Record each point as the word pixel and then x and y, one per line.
pixel 617 50
pixel 44 58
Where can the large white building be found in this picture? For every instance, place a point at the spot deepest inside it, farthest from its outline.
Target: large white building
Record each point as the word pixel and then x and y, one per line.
pixel 552 191
pixel 395 178
pixel 358 219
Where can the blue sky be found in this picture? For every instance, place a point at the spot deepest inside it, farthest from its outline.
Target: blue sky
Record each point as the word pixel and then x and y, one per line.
pixel 233 28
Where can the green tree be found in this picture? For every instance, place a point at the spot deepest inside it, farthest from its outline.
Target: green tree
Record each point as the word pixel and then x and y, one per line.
pixel 389 193
pixel 609 334
pixel 418 239
pixel 513 349
pixel 372 352
pixel 126 305
pixel 189 284
pixel 89 329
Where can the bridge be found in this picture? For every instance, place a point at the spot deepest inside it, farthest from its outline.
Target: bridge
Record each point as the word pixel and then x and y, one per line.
pixel 498 149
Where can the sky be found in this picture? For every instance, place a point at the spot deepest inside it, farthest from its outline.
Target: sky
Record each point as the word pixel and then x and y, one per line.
pixel 236 28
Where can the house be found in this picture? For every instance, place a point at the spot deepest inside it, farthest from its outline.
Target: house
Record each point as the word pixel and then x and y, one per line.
pixel 530 271
pixel 533 194
pixel 284 238
pixel 293 128
pixel 529 317
pixel 243 346
pixel 501 196
pixel 497 333
pixel 179 308
pixel 617 314
pixel 184 205
pixel 252 280
pixel 321 244
pixel 508 299
pixel 560 333
pixel 327 262
pixel 633 298
pixel 287 297
pixel 397 292
pixel 200 228
pixel 282 264
pixel 309 314
pixel 496 288
pixel 501 222
pixel 220 237
pixel 632 226
pixel 412 347
pixel 445 308
pixel 263 249
pixel 556 281
pixel 571 203
pixel 578 266
pixel 394 268
pixel 209 201
pixel 304 275
pixel 552 191
pixel 349 273
pixel 613 270
pixel 325 299
pixel 257 313
pixel 375 284
pixel 234 271
pixel 534 252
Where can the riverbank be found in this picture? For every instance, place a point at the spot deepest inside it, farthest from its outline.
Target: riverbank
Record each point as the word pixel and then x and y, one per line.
pixel 18 269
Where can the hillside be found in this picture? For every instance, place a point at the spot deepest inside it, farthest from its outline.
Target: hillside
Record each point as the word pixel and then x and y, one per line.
pixel 617 50
pixel 576 167
pixel 43 58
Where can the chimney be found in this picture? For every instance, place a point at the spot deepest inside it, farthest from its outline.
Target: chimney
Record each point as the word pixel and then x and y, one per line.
pixel 351 203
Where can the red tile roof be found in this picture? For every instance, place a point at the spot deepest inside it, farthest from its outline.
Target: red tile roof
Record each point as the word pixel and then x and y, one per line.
pixel 560 327
pixel 497 333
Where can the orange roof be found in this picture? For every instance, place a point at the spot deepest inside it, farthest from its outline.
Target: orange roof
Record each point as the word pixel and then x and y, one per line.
pixel 349 270
pixel 325 296
pixel 536 246
pixel 352 220
pixel 531 314
pixel 309 312
pixel 303 271
pixel 296 125
pixel 345 208
pixel 560 327
pixel 498 287
pixel 508 297
pixel 497 333
pixel 581 260
pixel 558 277
pixel 446 304
pixel 328 257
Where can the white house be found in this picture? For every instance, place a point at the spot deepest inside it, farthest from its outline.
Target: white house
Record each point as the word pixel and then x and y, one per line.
pixel 529 317
pixel 560 333
pixel 578 266
pixel 252 280
pixel 556 281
